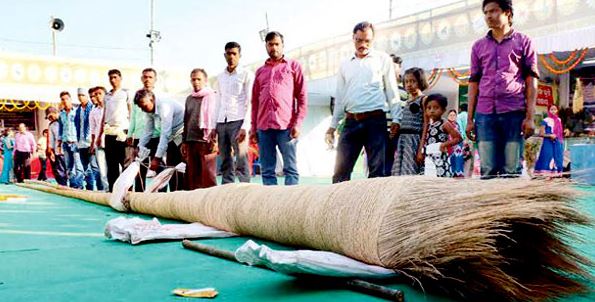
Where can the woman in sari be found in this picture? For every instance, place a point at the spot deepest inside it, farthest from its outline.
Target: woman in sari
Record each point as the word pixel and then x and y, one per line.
pixel 8 148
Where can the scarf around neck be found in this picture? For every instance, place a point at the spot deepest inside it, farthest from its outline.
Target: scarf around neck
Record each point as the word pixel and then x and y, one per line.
pixel 207 110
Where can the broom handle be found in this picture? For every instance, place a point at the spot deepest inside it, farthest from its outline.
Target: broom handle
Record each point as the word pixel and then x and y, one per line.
pixel 209 250
pixel 353 284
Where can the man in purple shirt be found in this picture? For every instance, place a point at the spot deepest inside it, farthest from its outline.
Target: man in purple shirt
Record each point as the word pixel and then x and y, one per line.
pixel 24 147
pixel 279 105
pixel 502 92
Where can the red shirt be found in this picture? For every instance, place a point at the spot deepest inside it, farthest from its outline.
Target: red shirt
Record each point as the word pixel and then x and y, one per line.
pixel 279 98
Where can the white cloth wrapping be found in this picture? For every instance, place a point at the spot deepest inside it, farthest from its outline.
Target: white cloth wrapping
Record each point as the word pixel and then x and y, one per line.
pixel 162 179
pixel 308 262
pixel 125 181
pixel 136 230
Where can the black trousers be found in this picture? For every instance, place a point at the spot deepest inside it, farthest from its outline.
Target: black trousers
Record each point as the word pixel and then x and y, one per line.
pixel 391 148
pixel 22 166
pixel 42 164
pixel 369 134
pixel 115 154
pixel 140 182
pixel 174 157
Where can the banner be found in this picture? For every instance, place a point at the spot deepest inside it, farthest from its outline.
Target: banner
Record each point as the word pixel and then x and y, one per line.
pixel 545 95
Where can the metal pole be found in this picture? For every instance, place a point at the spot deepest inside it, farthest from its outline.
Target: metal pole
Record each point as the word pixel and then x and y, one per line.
pixel 151 31
pixel 390 9
pixel 53 36
pixel 352 284
pixel 54 42
pixel 266 16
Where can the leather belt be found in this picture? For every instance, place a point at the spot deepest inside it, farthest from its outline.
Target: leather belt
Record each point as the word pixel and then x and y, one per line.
pixel 365 115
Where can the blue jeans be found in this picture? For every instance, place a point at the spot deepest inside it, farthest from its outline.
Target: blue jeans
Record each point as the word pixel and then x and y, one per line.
pixel 86 161
pixel 74 167
pixel 59 169
pixel 500 143
pixel 369 134
pixel 99 169
pixel 268 141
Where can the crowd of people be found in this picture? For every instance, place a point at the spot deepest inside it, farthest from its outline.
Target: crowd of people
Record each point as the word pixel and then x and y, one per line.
pixel 502 92
pixel 89 146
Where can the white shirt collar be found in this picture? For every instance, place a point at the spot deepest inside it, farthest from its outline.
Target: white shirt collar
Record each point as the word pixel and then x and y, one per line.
pixel 371 53
pixel 238 70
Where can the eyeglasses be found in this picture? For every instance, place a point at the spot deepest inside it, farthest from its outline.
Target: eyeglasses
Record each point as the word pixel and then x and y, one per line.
pixel 362 41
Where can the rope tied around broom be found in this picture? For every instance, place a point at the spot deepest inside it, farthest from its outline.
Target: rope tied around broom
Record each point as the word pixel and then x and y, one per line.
pixel 125 181
pixel 488 240
pixel 119 199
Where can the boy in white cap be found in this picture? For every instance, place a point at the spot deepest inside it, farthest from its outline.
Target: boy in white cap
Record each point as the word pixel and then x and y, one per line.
pixel 83 135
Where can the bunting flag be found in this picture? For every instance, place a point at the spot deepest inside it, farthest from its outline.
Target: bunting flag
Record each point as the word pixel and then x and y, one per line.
pixel 461 78
pixel 434 77
pixel 20 105
pixel 561 66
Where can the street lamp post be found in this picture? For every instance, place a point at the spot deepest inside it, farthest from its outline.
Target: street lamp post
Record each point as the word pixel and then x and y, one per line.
pixel 153 35
pixel 390 9
pixel 263 33
pixel 56 25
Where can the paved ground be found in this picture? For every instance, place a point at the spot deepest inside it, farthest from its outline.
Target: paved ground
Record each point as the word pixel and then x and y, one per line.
pixel 53 249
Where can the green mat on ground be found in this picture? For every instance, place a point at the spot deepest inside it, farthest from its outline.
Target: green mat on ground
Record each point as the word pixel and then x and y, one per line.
pixel 52 248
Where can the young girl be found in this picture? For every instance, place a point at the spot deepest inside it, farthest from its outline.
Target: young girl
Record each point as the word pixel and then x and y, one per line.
pixel 551 156
pixel 410 125
pixel 456 153
pixel 440 132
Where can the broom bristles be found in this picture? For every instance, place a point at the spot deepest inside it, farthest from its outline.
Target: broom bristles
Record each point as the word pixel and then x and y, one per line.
pixel 500 240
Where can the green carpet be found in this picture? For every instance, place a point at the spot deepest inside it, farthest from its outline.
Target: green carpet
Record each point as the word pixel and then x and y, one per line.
pixel 53 249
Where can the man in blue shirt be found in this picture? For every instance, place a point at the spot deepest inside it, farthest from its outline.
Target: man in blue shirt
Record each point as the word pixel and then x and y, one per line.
pixel 67 141
pixel 83 136
pixel 170 115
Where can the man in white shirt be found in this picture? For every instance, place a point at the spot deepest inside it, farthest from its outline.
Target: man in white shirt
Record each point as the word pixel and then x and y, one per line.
pixel 366 88
pixel 116 119
pixel 234 85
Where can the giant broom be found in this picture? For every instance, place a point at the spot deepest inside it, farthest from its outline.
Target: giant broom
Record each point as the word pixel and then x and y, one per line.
pixel 480 240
